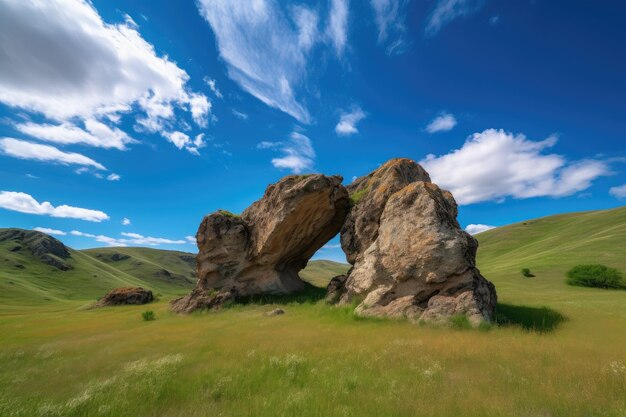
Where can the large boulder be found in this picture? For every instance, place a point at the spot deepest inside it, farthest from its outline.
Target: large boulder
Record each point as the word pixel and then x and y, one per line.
pixel 410 257
pixel 262 251
pixel 126 295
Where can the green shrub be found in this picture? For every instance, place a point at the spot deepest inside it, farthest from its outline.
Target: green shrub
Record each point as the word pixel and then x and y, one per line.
pixel 460 322
pixel 228 213
pixel 526 272
pixel 598 276
pixel 358 195
pixel 148 315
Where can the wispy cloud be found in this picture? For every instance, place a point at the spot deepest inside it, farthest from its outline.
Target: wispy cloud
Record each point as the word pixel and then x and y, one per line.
pixel 390 16
pixel 113 177
pixel 495 164
pixel 442 123
pixel 298 153
pixel 448 10
pixel 338 25
pixel 49 231
pixel 348 121
pixel 125 221
pixel 261 49
pixel 134 239
pixel 474 229
pixel 213 86
pixel 27 150
pixel 618 192
pixel 25 203
pixel 239 115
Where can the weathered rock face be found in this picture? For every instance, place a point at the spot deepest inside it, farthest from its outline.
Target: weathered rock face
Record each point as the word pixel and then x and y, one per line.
pixel 410 256
pixel 262 251
pixel 126 295
pixel 42 246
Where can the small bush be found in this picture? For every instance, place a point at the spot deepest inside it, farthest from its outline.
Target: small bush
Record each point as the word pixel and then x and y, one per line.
pixel 358 195
pixel 460 322
pixel 598 276
pixel 148 315
pixel 526 272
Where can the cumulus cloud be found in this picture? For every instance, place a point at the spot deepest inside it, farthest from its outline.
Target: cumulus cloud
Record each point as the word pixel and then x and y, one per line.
pixel 298 153
pixel 442 123
pixel 61 60
pixel 390 16
pixel 474 229
pixel 446 11
pixel 183 141
pixel 495 164
pixel 25 203
pixel 49 231
pixel 618 192
pixel 27 150
pixel 338 25
pixel 125 221
pixel 348 121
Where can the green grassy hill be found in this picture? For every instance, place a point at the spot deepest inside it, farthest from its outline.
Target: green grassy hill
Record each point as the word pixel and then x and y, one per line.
pixel 549 247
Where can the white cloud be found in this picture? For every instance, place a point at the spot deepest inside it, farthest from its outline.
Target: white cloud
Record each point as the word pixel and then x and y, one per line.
pixel 45 153
pixel 49 231
pixel 25 203
pixel 113 177
pixel 261 49
pixel 183 141
pixel 125 221
pixel 60 59
pixel 95 134
pixel 138 239
pixel 493 20
pixel 474 229
pixel 338 25
pixel 129 239
pixel 191 239
pixel 240 115
pixel 618 192
pixel 213 86
pixel 298 151
pixel 448 10
pixel 390 16
pixel 442 123
pixel 495 164
pixel 348 121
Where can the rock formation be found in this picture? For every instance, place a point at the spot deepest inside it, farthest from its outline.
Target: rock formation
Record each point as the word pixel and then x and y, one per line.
pixel 126 295
pixel 262 251
pixel 410 257
pixel 44 247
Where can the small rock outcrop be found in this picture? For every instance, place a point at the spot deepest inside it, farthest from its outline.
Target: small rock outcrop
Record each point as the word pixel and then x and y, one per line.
pixel 410 257
pixel 262 250
pixel 44 247
pixel 126 295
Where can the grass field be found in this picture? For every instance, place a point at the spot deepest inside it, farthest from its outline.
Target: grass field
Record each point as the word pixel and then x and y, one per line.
pixel 560 350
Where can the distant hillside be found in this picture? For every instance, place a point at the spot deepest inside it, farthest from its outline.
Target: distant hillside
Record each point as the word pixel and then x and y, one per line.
pixel 37 268
pixel 556 242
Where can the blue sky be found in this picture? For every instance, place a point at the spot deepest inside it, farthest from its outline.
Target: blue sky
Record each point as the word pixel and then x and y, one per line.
pixel 126 122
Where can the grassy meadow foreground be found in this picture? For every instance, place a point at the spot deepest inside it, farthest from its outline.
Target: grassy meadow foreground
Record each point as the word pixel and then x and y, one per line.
pixel 558 350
